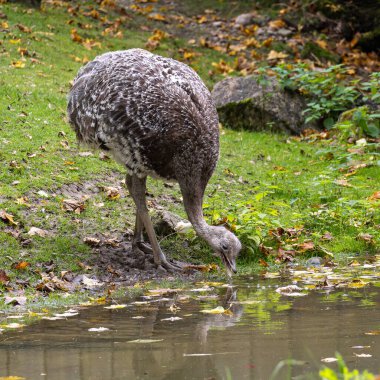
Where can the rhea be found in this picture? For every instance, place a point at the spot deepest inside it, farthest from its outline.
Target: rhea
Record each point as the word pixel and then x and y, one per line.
pixel 156 117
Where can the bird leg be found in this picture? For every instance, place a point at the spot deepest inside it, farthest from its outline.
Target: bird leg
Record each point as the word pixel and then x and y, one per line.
pixel 138 239
pixel 137 188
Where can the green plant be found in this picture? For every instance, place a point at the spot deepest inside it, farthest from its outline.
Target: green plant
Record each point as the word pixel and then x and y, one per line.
pixel 357 123
pixel 330 92
pixel 343 373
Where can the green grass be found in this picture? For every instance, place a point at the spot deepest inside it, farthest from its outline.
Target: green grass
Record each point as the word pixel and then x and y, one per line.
pixel 263 181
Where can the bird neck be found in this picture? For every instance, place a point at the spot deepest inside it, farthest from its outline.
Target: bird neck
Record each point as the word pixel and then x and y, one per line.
pixel 193 207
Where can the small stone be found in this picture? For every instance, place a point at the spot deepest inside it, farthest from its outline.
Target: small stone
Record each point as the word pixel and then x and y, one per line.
pixel 244 19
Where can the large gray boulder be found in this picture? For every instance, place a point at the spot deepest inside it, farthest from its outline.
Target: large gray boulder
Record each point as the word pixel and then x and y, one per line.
pixel 253 104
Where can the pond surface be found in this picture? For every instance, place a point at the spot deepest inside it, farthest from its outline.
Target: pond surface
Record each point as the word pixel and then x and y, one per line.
pixel 147 340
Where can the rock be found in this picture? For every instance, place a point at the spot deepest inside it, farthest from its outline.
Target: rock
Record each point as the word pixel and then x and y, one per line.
pixel 244 19
pixel 247 103
pixel 166 223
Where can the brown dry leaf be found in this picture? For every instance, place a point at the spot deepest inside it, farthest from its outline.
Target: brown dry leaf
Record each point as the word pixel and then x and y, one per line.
pixel 8 218
pixel 277 24
pixel 368 238
pixel 321 43
pixel 343 182
pixel 73 205
pixel 22 265
pixel 113 193
pixel 4 278
pixel 202 20
pixel 75 36
pixel 217 310
pixel 375 196
pixel 91 241
pixel 306 246
pixel 158 17
pixel 20 300
pixel 38 231
pixel 267 42
pixel 24 28
pixel 222 67
pixel 89 44
pixel 276 55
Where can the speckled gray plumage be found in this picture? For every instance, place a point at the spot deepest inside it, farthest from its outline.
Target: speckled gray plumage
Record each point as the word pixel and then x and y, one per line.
pixel 153 114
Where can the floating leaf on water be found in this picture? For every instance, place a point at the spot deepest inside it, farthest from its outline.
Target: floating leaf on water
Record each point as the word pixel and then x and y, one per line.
pixel 112 307
pixel 13 325
pixel 140 303
pixel 53 318
pixel 145 341
pixel 12 378
pixel 373 332
pixel 98 329
pixel 363 355
pixel 204 289
pixel 217 310
pixel 271 275
pixel 15 316
pixel 138 317
pixel 197 354
pixel 68 313
pixel 172 319
pixel 288 289
pixel 329 360
pixel 360 346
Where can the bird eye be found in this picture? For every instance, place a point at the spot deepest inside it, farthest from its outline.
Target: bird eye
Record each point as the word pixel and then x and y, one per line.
pixel 224 247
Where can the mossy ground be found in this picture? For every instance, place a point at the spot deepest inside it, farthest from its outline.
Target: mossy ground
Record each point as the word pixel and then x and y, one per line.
pixel 279 182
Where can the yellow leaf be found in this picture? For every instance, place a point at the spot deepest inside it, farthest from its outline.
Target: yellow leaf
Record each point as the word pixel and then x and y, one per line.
pixel 4 25
pixel 202 20
pixel 276 55
pixel 12 378
pixel 277 24
pixel 18 64
pixel 15 42
pixel 217 310
pixel 157 17
pixel 188 55
pixel 321 43
pixel 7 218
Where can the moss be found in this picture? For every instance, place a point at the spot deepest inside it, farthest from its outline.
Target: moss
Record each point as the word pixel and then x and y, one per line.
pixel 312 50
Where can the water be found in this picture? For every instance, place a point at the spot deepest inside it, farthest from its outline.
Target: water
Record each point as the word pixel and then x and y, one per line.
pixel 261 328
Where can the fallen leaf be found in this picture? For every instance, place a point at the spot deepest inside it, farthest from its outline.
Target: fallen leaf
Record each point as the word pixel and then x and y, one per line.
pixel 172 319
pixel 73 205
pixel 38 231
pixel 217 310
pixel 9 300
pixel 329 360
pixel 113 193
pixel 18 64
pixel 306 246
pixel 363 355
pixel 8 218
pixel 98 329
pixel 277 24
pixel 4 278
pixel 13 325
pixel 91 241
pixel 145 341
pixel 374 196
pixel 273 55
pixel 21 265
pixel 113 307
pixel 91 283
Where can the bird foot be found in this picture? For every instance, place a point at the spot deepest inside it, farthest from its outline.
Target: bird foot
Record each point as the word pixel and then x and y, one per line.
pixel 170 267
pixel 142 246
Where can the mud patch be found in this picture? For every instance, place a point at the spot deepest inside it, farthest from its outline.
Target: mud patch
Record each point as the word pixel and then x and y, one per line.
pixel 114 261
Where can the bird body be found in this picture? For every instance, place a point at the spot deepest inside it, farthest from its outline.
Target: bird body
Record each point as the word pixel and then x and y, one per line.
pixel 156 117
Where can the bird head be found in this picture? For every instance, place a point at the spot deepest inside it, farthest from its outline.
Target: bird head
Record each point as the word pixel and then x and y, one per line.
pixel 226 245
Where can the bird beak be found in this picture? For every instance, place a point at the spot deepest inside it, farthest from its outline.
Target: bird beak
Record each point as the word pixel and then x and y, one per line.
pixel 229 263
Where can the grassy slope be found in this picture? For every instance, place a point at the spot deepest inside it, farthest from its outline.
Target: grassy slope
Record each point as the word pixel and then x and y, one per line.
pixel 34 153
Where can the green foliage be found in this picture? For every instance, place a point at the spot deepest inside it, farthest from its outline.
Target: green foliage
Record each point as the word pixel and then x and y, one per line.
pixel 343 373
pixel 358 123
pixel 330 92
